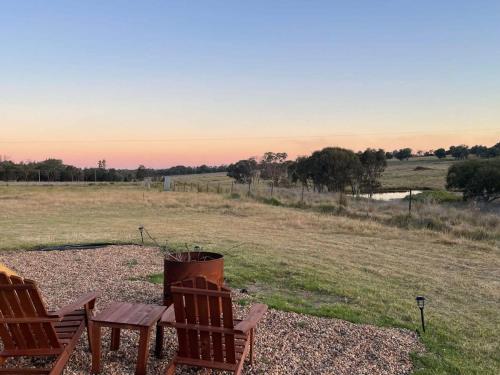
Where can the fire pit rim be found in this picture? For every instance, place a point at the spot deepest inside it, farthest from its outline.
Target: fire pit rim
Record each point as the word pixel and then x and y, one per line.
pixel 210 255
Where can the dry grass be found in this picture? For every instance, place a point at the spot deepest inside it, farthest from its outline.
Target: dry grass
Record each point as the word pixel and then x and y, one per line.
pixel 293 259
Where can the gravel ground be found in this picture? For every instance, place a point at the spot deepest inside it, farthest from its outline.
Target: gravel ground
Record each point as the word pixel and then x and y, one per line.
pixel 286 343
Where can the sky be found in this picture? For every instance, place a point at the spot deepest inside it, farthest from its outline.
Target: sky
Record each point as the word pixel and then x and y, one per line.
pixel 162 83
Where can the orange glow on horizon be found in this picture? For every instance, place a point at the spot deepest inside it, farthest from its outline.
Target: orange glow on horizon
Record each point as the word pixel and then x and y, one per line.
pixel 212 151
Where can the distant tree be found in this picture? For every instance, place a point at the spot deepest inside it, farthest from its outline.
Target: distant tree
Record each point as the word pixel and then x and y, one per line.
pixel 334 168
pixel 243 171
pixel 8 170
pixel 101 164
pixel 494 151
pixel 140 173
pixel 373 163
pixel 300 171
pixel 272 166
pixel 478 179
pixel 440 153
pixel 389 155
pixel 53 168
pixel 459 152
pixel 403 154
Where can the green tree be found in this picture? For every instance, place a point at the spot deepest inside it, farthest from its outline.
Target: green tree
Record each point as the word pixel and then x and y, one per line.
pixel 403 154
pixel 440 153
pixel 141 172
pixel 243 171
pixel 300 171
pixel 477 179
pixel 272 166
pixel 373 163
pixel 459 152
pixel 334 168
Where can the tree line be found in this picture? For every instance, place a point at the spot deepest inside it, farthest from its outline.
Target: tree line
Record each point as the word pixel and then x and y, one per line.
pixel 329 169
pixel 338 169
pixel 55 170
pixel 459 152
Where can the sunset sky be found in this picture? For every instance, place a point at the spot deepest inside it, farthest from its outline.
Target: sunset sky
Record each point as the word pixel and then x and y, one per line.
pixel 162 83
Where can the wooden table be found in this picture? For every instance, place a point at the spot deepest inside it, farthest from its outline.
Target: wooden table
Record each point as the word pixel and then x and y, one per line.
pixel 121 315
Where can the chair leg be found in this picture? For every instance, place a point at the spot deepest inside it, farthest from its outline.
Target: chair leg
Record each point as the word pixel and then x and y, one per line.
pixel 142 353
pixel 88 323
pixel 115 339
pixel 96 348
pixel 159 341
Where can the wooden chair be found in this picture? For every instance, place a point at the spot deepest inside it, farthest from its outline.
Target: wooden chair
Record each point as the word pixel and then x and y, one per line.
pixel 27 329
pixel 208 336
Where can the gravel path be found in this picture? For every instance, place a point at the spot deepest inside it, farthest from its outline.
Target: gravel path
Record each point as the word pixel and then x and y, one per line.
pixel 286 343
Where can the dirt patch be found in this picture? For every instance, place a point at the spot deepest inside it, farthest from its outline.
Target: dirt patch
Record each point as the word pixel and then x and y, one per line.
pixel 286 343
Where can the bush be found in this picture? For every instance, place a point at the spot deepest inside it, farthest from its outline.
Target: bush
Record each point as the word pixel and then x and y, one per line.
pixel 478 179
pixel 272 201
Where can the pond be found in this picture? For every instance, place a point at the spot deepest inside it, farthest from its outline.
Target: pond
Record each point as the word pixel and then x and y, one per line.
pixel 390 195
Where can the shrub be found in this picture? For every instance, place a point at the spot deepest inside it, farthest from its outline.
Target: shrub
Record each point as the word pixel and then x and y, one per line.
pixel 272 201
pixel 477 179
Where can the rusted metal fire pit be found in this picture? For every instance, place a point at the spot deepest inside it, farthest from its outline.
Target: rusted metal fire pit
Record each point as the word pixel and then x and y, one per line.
pixel 191 264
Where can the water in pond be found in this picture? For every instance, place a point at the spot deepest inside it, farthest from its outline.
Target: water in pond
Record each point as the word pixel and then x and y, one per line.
pixel 391 195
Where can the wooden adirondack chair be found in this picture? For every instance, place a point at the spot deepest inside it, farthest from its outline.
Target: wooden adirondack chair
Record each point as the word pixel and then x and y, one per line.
pixel 27 329
pixel 208 336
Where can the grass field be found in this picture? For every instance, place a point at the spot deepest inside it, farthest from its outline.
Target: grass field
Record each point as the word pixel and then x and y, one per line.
pixel 303 260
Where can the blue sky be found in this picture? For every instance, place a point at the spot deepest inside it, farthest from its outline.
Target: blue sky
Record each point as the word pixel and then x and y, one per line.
pixel 243 74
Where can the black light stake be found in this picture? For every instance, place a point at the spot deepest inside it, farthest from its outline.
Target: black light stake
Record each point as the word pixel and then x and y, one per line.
pixel 421 303
pixel 141 229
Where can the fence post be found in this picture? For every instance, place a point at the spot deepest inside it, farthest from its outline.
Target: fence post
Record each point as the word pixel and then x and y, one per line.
pixel 302 195
pixel 272 188
pixel 409 204
pixel 218 188
pixel 207 187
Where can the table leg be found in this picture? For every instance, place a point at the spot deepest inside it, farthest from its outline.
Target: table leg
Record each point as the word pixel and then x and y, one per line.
pixel 142 355
pixel 159 341
pixel 96 348
pixel 115 339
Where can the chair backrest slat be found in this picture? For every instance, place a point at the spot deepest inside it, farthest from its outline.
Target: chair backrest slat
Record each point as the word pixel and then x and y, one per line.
pixel 215 320
pixel 191 318
pixel 41 340
pixel 205 305
pixel 202 306
pixel 227 321
pixel 180 317
pixel 20 298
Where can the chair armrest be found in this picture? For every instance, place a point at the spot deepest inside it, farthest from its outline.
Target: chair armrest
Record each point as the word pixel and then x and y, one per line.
pixel 168 317
pixel 86 299
pixel 254 316
pixel 29 320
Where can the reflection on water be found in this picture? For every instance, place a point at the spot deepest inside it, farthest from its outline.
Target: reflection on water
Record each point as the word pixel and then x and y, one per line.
pixel 390 196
